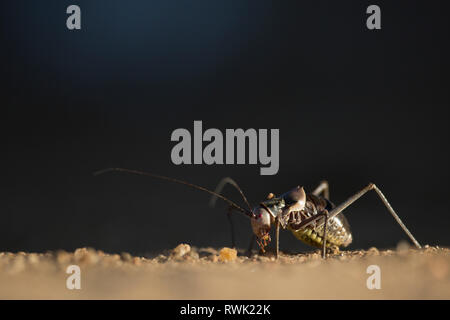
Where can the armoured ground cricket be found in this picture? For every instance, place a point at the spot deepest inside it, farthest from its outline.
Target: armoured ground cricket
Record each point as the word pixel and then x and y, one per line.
pixel 311 217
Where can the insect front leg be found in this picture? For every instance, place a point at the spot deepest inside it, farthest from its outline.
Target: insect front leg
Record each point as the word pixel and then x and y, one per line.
pixel 277 237
pixel 251 244
pixel 324 247
pixel 214 198
pixel 359 194
pixel 324 188
pixel 233 233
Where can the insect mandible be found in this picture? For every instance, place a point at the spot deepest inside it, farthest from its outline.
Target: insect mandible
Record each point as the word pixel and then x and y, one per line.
pixel 311 217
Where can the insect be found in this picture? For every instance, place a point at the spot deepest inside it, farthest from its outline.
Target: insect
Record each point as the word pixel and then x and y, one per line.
pixel 311 217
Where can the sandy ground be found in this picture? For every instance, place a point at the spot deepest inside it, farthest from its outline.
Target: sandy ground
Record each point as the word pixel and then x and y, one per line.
pixel 190 273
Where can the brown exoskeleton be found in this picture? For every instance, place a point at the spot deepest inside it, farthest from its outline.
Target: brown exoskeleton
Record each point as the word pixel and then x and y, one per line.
pixel 311 217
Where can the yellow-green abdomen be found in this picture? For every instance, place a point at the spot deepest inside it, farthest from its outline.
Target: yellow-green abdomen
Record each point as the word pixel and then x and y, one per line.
pixel 338 233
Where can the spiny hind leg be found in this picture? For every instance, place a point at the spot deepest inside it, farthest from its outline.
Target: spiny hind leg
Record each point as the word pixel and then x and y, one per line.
pixel 323 188
pixel 359 194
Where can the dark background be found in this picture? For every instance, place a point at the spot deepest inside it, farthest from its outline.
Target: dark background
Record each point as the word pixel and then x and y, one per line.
pixel 352 106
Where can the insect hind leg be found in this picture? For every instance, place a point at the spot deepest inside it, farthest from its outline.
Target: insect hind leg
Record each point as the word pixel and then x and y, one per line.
pixel 369 187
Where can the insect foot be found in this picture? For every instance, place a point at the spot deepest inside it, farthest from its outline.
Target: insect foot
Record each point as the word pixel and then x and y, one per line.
pixel 215 152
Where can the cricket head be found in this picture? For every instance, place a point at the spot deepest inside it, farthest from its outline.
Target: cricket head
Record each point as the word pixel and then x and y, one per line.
pixel 261 223
pixel 275 207
pixel 263 217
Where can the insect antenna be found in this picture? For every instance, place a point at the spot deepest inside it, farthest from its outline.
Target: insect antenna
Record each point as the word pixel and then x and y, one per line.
pixel 220 187
pixel 248 213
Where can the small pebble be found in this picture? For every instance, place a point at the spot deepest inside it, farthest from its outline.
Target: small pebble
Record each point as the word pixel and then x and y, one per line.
pixel 403 247
pixel 227 254
pixel 86 256
pixel 181 250
pixel 126 256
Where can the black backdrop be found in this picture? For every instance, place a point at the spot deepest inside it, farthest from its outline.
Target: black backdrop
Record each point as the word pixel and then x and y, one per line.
pixel 352 106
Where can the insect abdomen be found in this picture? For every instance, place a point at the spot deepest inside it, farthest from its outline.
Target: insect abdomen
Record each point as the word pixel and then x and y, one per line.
pixel 338 233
